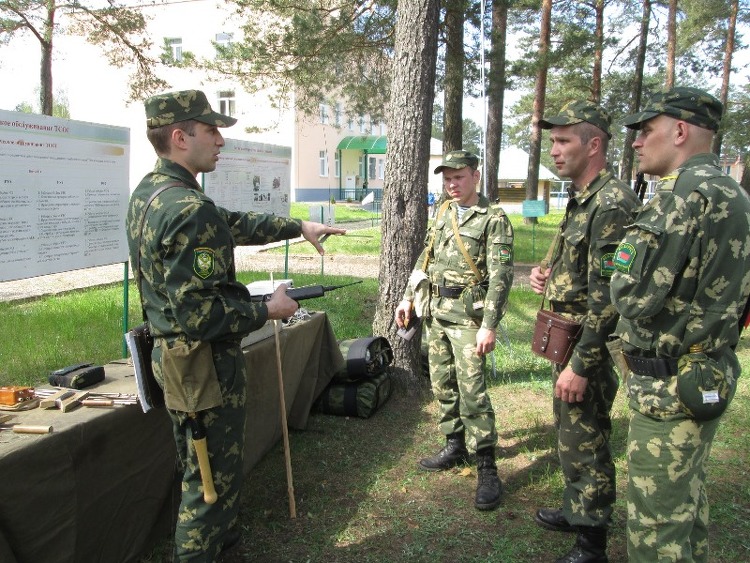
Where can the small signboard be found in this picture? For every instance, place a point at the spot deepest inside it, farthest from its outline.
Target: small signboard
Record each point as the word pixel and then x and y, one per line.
pixel 533 208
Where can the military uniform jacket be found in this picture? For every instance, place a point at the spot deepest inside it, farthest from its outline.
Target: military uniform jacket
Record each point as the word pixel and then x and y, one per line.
pixel 683 268
pixel 578 285
pixel 188 279
pixel 488 237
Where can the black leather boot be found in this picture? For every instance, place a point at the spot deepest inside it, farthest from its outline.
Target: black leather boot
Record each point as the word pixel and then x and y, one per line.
pixel 452 454
pixel 590 547
pixel 553 519
pixel 488 483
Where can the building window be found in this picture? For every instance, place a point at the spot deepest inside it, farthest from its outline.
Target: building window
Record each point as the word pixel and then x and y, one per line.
pixel 337 164
pixel 337 115
pixel 373 164
pixel 351 124
pixel 226 103
pixel 382 128
pixel 323 114
pixel 174 44
pixel 223 42
pixel 361 165
pixel 362 128
pixel 324 164
pixel 381 168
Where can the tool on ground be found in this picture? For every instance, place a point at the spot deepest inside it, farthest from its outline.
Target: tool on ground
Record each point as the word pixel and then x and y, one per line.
pixel 305 292
pixel 201 451
pixel 284 428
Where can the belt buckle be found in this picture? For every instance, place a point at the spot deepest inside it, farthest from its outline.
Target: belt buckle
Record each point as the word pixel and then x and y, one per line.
pixel 435 290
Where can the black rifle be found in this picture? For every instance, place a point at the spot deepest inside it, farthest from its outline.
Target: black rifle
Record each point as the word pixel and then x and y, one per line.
pixel 641 185
pixel 304 292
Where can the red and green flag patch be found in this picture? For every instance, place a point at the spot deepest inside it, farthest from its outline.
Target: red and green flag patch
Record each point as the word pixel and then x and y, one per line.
pixel 624 257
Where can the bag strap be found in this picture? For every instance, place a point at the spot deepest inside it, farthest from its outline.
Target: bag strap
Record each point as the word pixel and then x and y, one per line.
pixel 551 258
pixel 428 254
pixel 462 248
pixel 137 272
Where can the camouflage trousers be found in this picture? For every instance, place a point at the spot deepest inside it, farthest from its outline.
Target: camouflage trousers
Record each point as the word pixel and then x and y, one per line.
pixel 200 527
pixel 666 495
pixel 583 431
pixel 458 383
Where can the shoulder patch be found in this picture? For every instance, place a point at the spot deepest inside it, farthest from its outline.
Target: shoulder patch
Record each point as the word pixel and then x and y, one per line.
pixel 624 257
pixel 204 261
pixel 607 266
pixel 505 254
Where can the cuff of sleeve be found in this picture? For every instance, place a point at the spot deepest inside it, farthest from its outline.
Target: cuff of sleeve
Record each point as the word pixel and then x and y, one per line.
pixel 577 365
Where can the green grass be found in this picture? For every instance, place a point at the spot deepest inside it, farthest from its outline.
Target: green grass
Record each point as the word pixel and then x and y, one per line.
pixel 530 241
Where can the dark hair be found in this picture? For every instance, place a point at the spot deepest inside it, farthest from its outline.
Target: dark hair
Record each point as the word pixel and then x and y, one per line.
pixel 587 131
pixel 159 137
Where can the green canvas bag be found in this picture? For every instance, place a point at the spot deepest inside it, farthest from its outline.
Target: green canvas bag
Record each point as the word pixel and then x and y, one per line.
pixel 355 398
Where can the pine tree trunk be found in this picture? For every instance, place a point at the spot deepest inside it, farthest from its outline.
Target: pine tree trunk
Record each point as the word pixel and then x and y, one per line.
pixel 636 93
pixel 454 76
pixel 405 188
pixel 535 150
pixel 671 43
pixel 495 97
pixel 727 69
pixel 46 101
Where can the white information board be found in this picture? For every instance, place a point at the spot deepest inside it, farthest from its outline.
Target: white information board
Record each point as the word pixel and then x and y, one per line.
pixel 251 177
pixel 63 194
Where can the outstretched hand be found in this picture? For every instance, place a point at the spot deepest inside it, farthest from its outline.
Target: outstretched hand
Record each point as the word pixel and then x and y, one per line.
pixel 313 231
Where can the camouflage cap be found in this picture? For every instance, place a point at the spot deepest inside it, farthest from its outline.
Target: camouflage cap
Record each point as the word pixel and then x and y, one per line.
pixel 458 160
pixel 687 104
pixel 578 111
pixel 172 107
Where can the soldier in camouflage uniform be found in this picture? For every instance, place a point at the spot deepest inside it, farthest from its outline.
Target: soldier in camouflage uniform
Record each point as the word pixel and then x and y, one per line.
pixel 682 281
pixel 465 310
pixel 577 285
pixel 190 295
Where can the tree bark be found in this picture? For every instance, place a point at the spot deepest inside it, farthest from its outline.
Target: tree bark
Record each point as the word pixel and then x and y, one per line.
pixel 535 150
pixel 454 75
pixel 46 100
pixel 405 189
pixel 495 96
pixel 726 70
pixel 671 43
pixel 636 93
pixel 596 80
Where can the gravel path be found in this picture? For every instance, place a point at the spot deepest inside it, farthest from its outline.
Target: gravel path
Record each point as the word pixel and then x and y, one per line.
pixel 247 259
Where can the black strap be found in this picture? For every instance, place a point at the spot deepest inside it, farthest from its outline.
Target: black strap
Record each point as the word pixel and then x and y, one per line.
pixel 350 399
pixel 140 240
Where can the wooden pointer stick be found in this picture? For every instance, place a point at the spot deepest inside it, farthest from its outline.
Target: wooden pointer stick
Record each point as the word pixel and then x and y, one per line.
pixel 28 428
pixel 284 429
pixel 204 465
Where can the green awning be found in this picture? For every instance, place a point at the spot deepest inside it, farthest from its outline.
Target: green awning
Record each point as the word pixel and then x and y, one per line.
pixel 373 144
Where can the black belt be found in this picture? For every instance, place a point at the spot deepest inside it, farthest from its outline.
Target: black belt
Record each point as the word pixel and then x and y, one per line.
pixel 443 291
pixel 654 367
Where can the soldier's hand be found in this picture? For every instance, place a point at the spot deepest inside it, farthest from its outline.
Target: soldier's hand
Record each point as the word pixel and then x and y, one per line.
pixel 313 231
pixel 538 279
pixel 485 341
pixel 281 306
pixel 570 387
pixel 403 313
